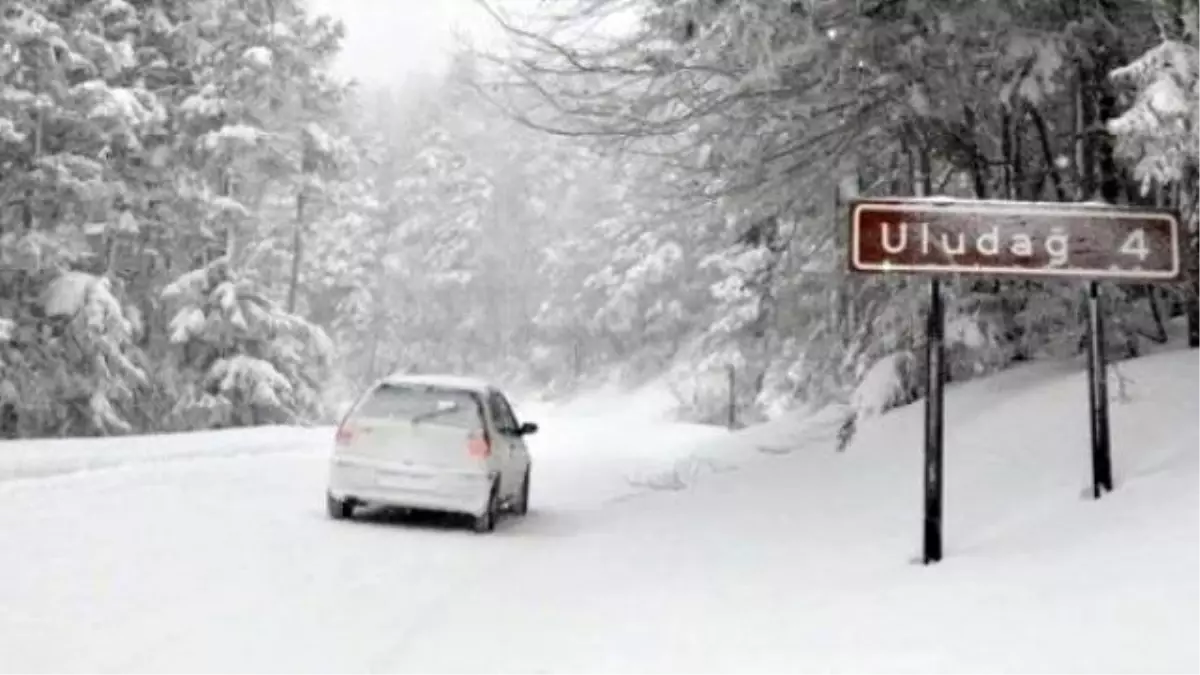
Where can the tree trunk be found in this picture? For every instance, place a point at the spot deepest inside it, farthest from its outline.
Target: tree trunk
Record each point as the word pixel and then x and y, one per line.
pixel 1193 315
pixel 1060 192
pixel 1160 328
pixel 1106 160
pixel 225 189
pixel 1187 201
pixel 297 251
pixel 1085 156
pixel 978 168
pixel 27 218
pixel 1181 198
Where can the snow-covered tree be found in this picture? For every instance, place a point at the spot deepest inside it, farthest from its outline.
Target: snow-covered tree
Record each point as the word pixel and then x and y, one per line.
pixel 135 140
pixel 242 360
pixel 1158 133
pixel 68 360
pixel 667 195
pixel 759 114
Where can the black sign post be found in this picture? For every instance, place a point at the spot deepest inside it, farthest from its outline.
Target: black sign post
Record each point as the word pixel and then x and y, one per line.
pixel 935 378
pixel 1015 239
pixel 1102 475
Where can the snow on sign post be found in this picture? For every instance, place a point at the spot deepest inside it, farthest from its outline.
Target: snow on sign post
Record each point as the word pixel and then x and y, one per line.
pixel 1012 239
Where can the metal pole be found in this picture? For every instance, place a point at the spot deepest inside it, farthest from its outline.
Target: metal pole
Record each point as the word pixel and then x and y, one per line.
pixel 732 398
pixel 934 414
pixel 1102 478
pixel 935 376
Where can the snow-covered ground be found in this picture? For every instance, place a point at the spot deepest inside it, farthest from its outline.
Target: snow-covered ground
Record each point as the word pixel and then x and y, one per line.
pixel 779 555
pixel 54 457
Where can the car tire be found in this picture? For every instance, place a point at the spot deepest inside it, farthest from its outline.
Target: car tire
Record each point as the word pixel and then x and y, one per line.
pixel 338 509
pixel 521 506
pixel 486 521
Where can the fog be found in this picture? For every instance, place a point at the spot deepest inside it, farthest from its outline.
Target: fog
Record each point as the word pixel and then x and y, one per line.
pixel 390 41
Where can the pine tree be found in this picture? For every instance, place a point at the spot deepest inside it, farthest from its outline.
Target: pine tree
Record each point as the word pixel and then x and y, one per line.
pixel 242 360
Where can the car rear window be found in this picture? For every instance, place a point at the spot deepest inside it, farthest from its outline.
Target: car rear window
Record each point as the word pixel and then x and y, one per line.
pixel 423 405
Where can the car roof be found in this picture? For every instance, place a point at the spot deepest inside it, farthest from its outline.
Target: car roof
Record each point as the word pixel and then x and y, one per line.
pixel 472 384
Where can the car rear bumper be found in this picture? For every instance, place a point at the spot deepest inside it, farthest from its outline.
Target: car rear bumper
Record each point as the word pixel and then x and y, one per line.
pixel 409 487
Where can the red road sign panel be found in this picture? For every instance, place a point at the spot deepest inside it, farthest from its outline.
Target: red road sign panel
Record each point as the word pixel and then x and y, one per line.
pixel 1028 239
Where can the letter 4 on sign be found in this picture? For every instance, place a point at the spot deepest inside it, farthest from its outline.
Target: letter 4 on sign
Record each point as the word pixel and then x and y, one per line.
pixel 1028 239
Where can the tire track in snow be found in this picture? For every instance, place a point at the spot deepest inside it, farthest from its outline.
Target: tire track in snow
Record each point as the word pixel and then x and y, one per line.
pixel 390 661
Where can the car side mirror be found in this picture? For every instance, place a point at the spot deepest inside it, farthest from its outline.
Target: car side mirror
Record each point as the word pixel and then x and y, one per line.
pixel 527 428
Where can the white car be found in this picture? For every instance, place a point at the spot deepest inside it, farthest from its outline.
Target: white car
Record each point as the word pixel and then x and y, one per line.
pixel 434 443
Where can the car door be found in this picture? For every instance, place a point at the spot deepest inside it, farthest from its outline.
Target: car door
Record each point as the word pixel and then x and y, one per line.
pixel 510 446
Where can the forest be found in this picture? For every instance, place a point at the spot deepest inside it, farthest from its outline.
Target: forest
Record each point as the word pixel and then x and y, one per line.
pixel 201 226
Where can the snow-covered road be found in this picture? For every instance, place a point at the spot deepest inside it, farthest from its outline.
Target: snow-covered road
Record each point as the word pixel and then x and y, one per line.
pixel 230 563
pixel 159 557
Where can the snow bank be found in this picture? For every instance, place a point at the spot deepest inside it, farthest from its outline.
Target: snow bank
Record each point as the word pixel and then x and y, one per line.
pixel 652 402
pixel 724 453
pixel 596 448
pixel 802 562
pixel 51 457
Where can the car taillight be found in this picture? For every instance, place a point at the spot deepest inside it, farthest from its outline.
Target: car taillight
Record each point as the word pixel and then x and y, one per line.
pixel 344 435
pixel 478 445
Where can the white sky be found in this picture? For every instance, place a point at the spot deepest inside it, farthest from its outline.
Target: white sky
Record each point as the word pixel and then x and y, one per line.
pixel 388 41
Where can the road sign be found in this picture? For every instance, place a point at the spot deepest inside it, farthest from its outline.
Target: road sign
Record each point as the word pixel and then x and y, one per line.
pixel 1015 239
pixel 1027 239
